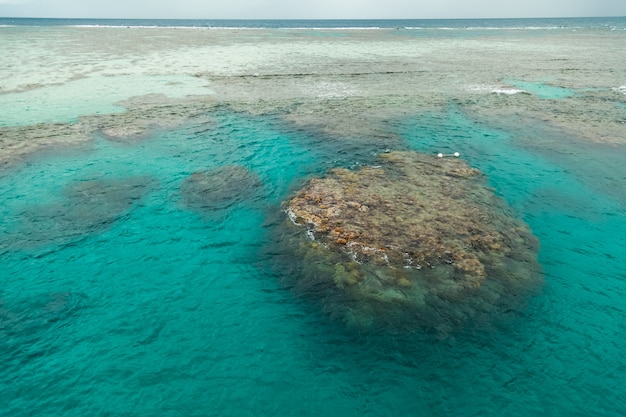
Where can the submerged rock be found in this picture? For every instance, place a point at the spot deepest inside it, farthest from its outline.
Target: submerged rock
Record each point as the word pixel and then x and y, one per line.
pixel 219 188
pixel 416 242
pixel 86 207
pixel 30 326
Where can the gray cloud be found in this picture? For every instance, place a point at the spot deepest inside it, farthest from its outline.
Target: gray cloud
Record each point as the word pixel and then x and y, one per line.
pixel 14 1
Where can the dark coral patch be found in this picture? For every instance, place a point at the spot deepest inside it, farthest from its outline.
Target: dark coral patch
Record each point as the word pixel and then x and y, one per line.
pixel 417 241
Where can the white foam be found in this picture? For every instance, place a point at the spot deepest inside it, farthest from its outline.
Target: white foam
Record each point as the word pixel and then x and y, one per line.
pixel 122 26
pixel 479 28
pixel 310 234
pixel 621 89
pixel 495 89
pixel 334 28
pixel 261 28
pixel 507 91
pixel 291 216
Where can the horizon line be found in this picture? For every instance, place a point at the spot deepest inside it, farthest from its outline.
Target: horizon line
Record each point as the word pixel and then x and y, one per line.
pixel 312 19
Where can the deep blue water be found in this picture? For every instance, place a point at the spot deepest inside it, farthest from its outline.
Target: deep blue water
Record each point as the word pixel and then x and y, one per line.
pixel 153 309
pixel 607 23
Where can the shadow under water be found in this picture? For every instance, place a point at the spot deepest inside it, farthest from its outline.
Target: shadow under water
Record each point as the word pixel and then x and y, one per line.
pixel 24 323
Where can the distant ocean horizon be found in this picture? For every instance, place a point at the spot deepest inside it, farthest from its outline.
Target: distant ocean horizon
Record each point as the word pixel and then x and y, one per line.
pixel 570 23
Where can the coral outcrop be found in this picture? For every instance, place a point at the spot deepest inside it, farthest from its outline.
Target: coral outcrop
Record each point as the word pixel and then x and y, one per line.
pixel 416 241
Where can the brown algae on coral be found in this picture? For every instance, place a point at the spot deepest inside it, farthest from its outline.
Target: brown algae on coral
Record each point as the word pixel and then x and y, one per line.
pixel 418 241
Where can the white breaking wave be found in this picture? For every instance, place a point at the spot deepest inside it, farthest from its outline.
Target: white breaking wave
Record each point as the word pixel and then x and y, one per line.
pixel 495 89
pixel 621 89
pixel 507 91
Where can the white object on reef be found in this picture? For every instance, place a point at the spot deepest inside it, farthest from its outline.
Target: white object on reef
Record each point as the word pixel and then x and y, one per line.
pixel 441 155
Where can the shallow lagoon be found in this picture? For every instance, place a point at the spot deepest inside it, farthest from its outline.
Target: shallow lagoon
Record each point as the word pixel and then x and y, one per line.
pixel 163 310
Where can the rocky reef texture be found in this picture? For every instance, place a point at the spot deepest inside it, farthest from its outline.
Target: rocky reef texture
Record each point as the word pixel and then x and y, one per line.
pixel 220 187
pixel 418 241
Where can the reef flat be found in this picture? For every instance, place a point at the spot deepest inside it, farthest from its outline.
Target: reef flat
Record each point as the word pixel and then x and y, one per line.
pixel 161 77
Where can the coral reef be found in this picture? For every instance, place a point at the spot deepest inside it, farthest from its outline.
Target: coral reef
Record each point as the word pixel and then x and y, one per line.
pixel 86 207
pixel 220 187
pixel 416 241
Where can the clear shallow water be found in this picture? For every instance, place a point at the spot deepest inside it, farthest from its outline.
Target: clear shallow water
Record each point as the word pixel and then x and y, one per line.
pixel 542 90
pixel 117 299
pixel 94 95
pixel 166 311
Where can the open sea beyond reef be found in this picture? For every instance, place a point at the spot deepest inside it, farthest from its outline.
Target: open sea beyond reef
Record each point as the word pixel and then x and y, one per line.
pixel 119 298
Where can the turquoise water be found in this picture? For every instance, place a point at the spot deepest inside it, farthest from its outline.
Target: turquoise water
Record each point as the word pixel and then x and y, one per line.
pixel 542 90
pixel 152 309
pixel 97 95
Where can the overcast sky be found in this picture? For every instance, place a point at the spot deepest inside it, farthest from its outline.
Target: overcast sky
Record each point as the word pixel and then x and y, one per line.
pixel 310 9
